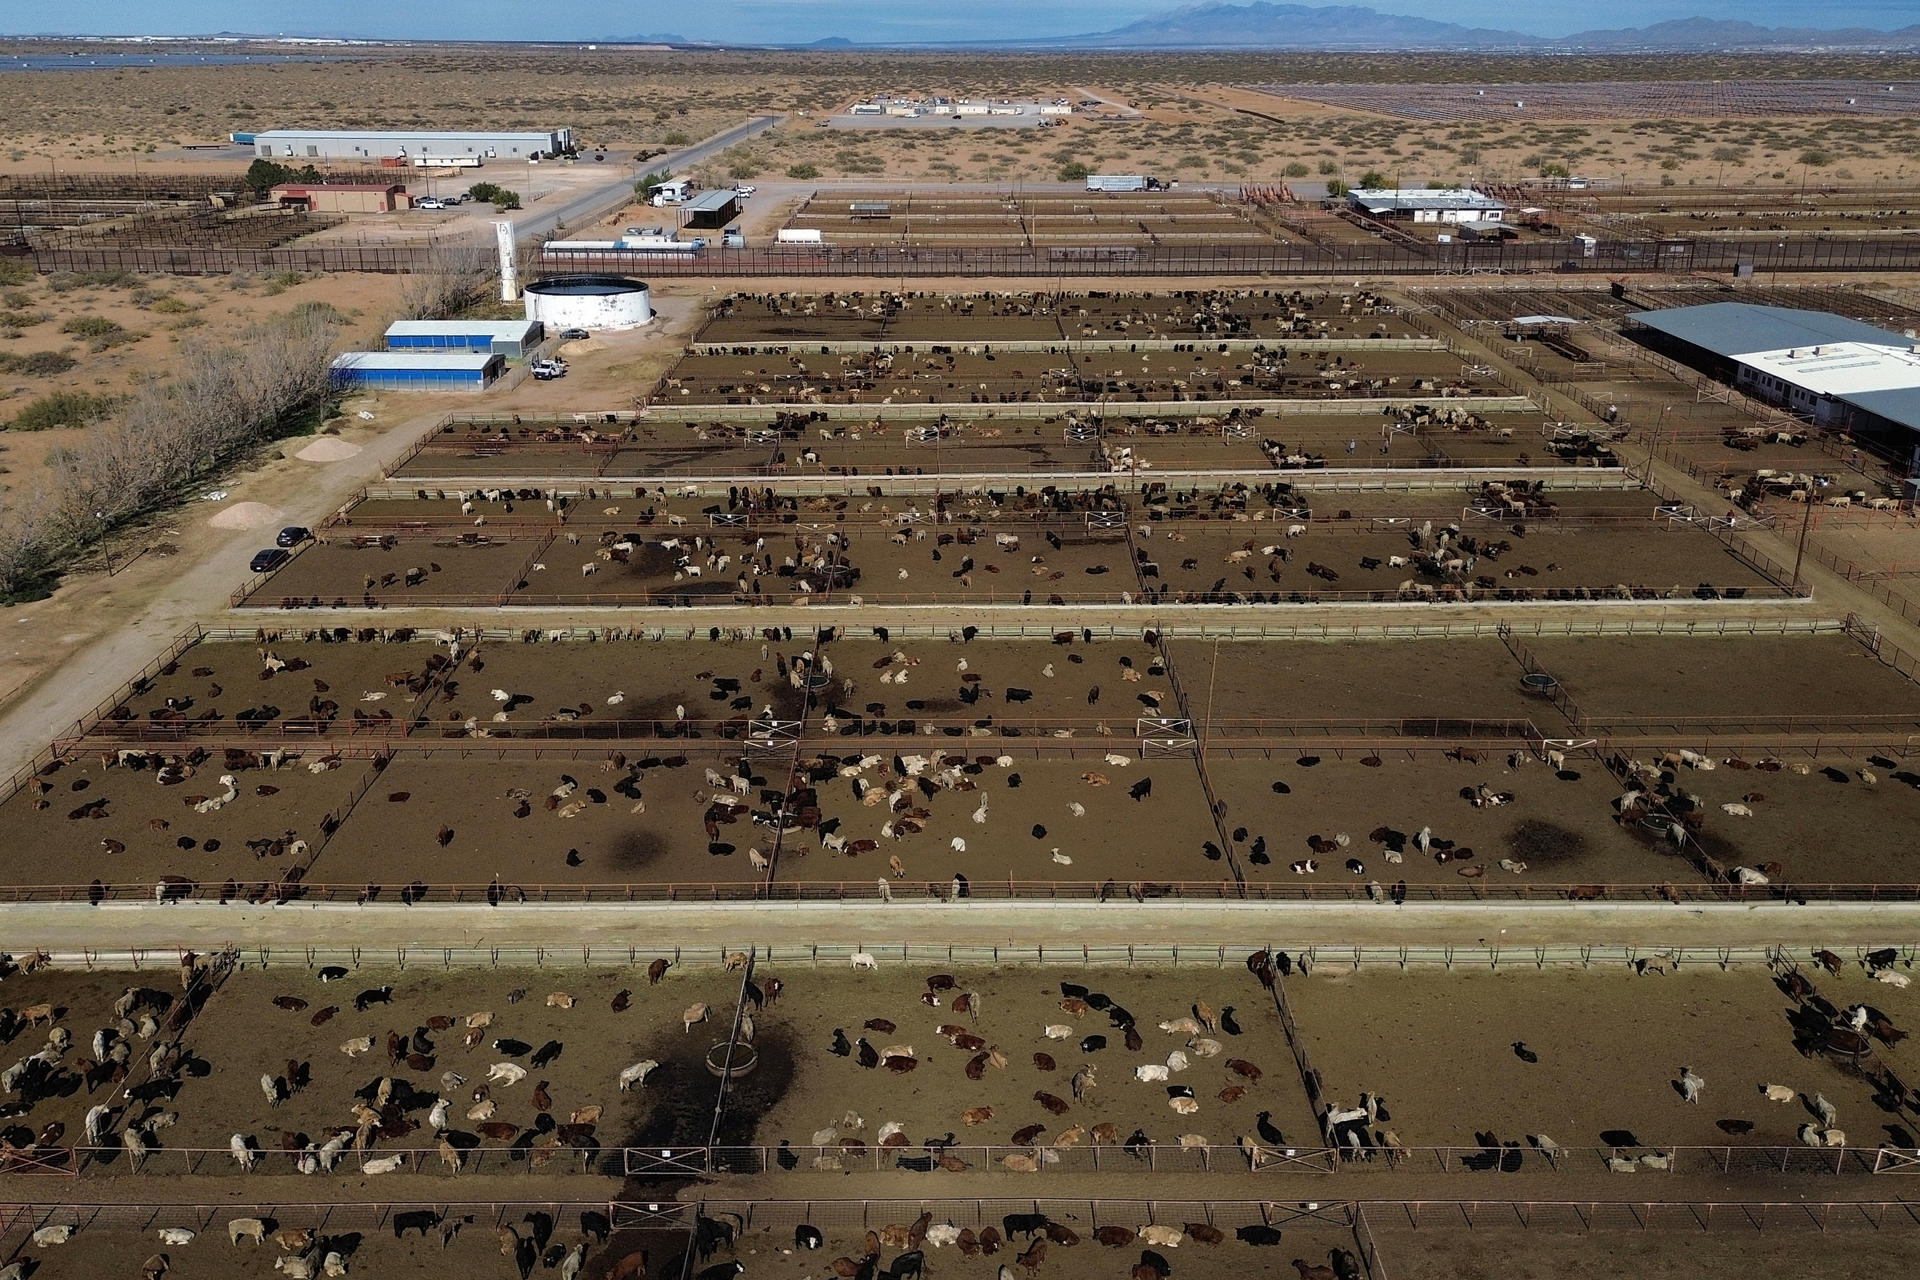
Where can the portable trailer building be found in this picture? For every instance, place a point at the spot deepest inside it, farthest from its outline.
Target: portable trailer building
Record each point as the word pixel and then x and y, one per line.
pixel 417 370
pixel 373 145
pixel 509 338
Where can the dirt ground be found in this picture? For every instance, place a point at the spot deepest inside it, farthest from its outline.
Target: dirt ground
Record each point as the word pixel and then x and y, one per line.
pixel 473 802
pixel 103 1248
pixel 972 375
pixel 53 1112
pixel 770 1251
pixel 131 830
pixel 230 683
pixel 1673 1254
pixel 816 1088
pixel 1558 831
pixel 1795 817
pixel 1459 678
pixel 1610 1048
pixel 673 1108
pixel 975 315
pixel 1067 686
pixel 1030 833
pixel 451 568
pixel 1204 562
pixel 1833 677
pixel 1643 558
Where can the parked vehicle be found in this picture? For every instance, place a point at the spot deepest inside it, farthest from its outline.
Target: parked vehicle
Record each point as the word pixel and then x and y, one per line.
pixel 267 561
pixel 292 536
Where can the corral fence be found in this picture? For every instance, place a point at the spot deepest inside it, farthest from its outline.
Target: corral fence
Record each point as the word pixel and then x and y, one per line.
pixel 1392 1217
pixel 1872 579
pixel 1665 256
pixel 850 1218
pixel 867 890
pixel 1721 1161
pixel 865 1157
pixel 18 1220
pixel 163 1161
pixel 1668 256
pixel 835 954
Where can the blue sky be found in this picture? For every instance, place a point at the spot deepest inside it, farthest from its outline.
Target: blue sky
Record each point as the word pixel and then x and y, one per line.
pixel 801 20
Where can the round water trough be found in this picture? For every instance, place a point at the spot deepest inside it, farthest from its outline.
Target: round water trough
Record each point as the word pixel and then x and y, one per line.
pixel 745 1059
pixel 1539 684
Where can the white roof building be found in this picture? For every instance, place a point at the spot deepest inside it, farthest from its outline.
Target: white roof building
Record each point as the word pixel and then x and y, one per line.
pixel 1421 204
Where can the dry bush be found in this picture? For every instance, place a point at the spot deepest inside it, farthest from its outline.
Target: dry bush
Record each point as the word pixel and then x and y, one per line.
pixel 457 275
pixel 222 401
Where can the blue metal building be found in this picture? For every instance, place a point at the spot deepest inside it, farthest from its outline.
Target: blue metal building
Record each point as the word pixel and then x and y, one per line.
pixel 510 338
pixel 418 370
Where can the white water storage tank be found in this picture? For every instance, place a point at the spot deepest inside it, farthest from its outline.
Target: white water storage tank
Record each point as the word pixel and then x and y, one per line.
pixel 589 302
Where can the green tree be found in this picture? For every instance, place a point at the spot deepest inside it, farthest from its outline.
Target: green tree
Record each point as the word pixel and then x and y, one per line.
pixel 651 182
pixel 1296 170
pixel 504 199
pixel 1815 159
pixel 1336 188
pixel 263 175
pixel 1073 171
pixel 1373 179
pixel 483 191
pixel 803 172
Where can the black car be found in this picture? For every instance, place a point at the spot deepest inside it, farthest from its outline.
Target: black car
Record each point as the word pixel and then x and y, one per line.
pixel 292 536
pixel 574 335
pixel 267 561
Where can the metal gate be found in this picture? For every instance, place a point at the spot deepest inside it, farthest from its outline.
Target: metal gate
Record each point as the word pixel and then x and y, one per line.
pixel 1165 735
pixel 664 1162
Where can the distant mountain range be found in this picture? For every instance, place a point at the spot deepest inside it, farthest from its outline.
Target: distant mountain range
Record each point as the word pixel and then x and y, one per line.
pixel 1355 28
pixel 1315 27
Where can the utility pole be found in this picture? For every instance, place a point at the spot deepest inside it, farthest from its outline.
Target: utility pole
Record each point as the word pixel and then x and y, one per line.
pixel 1806 521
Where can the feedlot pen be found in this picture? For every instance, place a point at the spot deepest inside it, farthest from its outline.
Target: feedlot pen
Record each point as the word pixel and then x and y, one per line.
pixel 1279 543
pixel 831 766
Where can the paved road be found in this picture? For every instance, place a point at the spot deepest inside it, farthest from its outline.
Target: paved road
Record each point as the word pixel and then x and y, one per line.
pixel 602 200
pixel 564 929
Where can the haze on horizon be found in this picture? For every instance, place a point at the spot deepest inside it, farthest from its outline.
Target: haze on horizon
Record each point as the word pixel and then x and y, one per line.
pixel 864 21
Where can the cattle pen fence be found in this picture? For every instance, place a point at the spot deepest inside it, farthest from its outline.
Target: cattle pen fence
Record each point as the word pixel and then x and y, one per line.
pixel 852 1157
pixel 906 895
pixel 1669 256
pixel 1375 1226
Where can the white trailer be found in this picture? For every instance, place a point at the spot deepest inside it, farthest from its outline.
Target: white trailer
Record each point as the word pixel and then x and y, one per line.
pixel 799 235
pixel 661 244
pixel 674 192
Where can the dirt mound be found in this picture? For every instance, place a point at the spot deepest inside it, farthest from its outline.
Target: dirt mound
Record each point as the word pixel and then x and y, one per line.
pixel 328 449
pixel 245 515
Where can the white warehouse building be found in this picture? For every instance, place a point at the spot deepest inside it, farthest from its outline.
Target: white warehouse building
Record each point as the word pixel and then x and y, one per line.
pixel 375 145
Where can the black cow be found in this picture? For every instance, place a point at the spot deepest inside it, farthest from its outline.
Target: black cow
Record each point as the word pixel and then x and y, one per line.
pixel 423 1220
